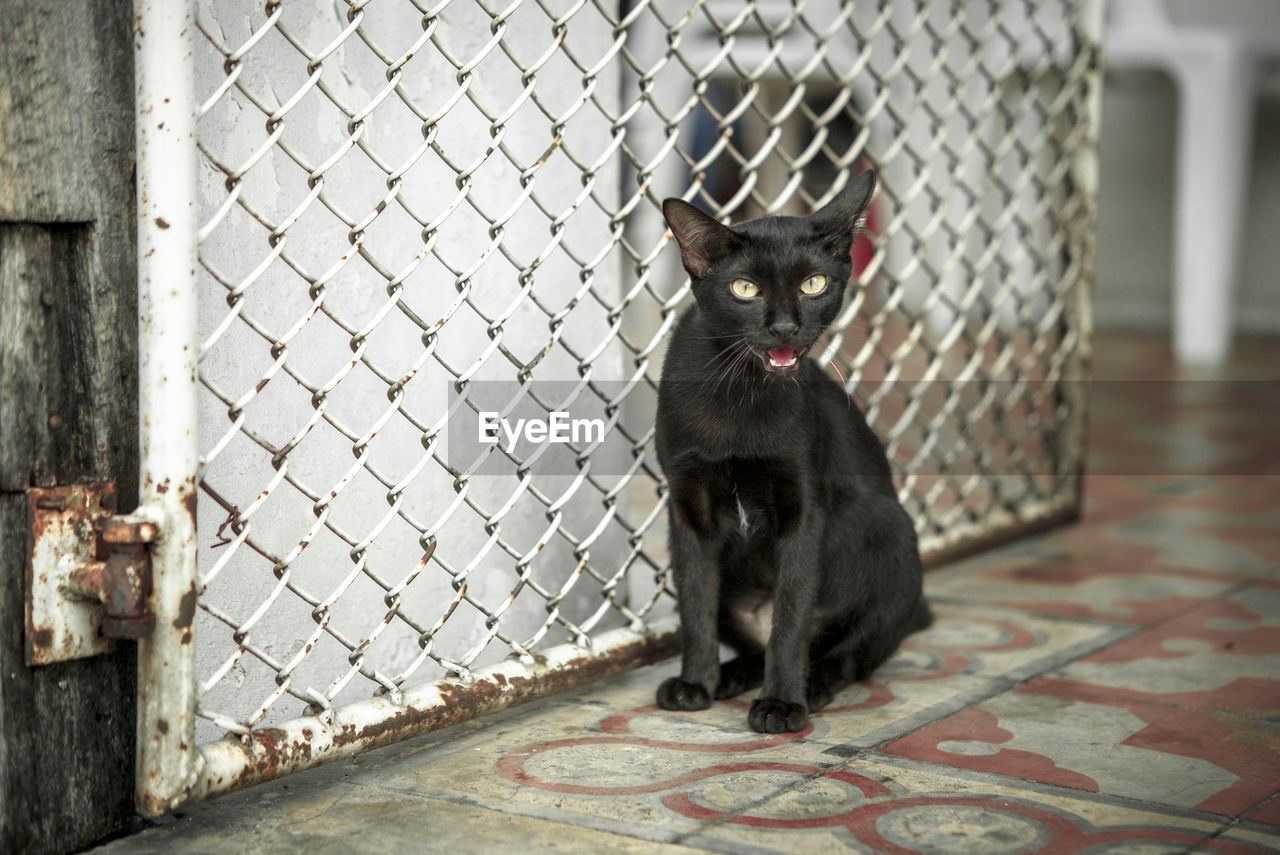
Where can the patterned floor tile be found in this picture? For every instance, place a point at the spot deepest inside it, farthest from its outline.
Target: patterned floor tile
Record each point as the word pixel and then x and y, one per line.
pixel 991 641
pixel 969 653
pixel 1181 714
pixel 1139 562
pixel 608 758
pixel 1220 643
pixel 357 819
pixel 873 807
pixel 597 768
pixel 1268 812
pixel 1122 747
pixel 1097 581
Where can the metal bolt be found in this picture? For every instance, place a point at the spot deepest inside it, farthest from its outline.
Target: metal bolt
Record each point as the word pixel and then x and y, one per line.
pixel 122 530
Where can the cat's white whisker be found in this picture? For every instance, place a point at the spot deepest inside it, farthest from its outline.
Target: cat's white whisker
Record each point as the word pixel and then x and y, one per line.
pixel 836 368
pixel 729 371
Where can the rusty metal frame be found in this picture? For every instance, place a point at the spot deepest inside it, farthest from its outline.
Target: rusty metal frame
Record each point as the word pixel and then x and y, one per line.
pixel 233 763
pixel 63 522
pixel 89 573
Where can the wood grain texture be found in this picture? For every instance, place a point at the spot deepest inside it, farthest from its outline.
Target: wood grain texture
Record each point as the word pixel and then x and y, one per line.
pixel 48 353
pixel 68 394
pixel 51 101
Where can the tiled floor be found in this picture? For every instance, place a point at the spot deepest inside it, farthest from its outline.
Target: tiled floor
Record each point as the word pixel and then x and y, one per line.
pixel 1109 687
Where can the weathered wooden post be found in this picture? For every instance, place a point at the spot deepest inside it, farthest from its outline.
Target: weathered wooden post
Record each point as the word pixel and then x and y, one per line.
pixel 68 394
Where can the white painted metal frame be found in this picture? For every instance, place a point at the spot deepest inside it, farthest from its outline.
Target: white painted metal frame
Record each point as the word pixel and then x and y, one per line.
pixel 168 349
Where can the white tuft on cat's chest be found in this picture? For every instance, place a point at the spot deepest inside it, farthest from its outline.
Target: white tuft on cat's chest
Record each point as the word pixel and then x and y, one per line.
pixel 744 520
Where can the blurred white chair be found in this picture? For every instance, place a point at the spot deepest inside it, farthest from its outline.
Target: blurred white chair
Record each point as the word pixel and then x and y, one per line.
pixel 1217 70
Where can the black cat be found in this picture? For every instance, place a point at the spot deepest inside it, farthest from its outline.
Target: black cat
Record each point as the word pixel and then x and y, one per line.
pixel 787 539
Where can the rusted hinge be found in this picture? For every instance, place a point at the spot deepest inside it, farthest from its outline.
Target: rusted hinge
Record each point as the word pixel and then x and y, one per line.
pixel 89 576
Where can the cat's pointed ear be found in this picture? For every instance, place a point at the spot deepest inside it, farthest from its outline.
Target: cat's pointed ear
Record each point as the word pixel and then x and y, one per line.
pixel 838 220
pixel 703 240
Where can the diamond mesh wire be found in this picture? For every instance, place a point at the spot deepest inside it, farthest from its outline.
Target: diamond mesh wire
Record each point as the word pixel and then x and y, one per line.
pixel 405 203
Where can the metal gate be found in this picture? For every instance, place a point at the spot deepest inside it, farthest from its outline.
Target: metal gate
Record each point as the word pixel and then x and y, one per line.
pixel 399 215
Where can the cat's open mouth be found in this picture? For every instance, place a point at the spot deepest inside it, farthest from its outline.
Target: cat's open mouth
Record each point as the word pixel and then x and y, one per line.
pixel 782 359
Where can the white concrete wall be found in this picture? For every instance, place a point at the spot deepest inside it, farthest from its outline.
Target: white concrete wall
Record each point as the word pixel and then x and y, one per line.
pixel 321 353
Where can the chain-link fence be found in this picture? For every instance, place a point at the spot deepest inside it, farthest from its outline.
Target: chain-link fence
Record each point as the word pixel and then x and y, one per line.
pixel 416 212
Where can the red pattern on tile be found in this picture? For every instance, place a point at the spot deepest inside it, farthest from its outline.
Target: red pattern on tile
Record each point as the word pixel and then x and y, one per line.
pixel 947 664
pixel 511 767
pixel 1256 641
pixel 1268 814
pixel 881 695
pixel 1261 538
pixel 874 804
pixel 978 725
pixel 1083 567
pixel 1087 555
pixel 1066 836
pixel 684 804
pixel 1143 612
pixel 1188 730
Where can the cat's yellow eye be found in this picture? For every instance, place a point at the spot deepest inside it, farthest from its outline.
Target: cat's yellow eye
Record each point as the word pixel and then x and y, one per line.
pixel 814 285
pixel 744 288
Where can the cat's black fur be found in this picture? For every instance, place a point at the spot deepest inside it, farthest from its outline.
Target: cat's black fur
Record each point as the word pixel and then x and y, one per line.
pixel 784 518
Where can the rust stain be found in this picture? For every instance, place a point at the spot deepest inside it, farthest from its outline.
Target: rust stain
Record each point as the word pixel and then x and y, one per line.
pixel 149 805
pixel 189 499
pixel 375 734
pixel 268 752
pixel 42 524
pixel 186 610
pixel 42 638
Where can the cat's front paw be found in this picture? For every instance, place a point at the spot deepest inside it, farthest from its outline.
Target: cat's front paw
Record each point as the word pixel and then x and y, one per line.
pixel 770 715
pixel 676 694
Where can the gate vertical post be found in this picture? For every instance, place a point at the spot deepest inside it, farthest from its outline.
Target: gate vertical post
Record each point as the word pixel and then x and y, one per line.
pixel 1079 309
pixel 168 356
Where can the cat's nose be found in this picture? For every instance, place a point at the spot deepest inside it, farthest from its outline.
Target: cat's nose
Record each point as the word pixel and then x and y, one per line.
pixel 783 326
